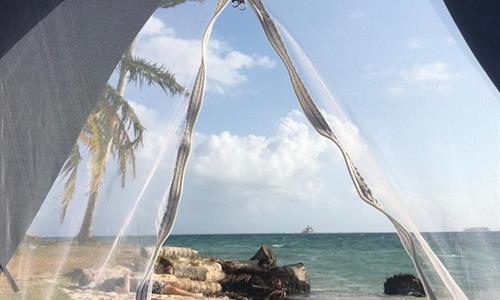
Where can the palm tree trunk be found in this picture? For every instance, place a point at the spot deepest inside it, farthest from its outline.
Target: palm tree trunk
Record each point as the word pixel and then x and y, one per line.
pixel 96 177
pixel 98 168
pixel 88 219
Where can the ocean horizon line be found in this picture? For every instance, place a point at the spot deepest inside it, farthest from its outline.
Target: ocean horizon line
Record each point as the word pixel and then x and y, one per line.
pixel 269 233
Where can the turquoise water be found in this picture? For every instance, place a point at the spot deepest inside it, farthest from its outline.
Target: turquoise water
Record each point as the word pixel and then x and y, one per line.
pixel 355 265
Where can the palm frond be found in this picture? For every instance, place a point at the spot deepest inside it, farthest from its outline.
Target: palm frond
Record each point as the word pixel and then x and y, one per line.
pixel 96 132
pixel 69 173
pixel 142 72
pixel 122 122
pixel 96 167
pixel 113 126
pixel 119 117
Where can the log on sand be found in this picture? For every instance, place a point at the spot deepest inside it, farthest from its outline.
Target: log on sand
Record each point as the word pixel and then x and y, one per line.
pixel 265 257
pixel 199 269
pixel 185 263
pixel 173 297
pixel 170 252
pixel 259 279
pixel 207 288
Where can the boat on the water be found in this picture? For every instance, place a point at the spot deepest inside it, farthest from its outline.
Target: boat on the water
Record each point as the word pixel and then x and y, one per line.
pixel 307 230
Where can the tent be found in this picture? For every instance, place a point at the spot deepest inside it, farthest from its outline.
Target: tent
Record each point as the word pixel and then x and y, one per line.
pixel 56 57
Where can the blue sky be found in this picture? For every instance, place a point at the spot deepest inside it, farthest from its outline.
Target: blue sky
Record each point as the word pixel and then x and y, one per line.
pixel 411 97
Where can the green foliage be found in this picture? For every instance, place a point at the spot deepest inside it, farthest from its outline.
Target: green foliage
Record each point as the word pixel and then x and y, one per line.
pixel 124 127
pixel 70 171
pixel 113 128
pixel 143 72
pixel 98 147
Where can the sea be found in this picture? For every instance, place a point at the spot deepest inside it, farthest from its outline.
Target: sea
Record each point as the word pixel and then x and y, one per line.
pixel 355 265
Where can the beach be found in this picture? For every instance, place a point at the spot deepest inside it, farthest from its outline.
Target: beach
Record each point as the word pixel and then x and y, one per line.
pixel 341 266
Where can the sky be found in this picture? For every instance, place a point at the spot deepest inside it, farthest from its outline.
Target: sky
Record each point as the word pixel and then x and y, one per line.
pixel 401 90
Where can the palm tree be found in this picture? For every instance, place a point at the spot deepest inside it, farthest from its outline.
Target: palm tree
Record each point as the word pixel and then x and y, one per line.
pixel 112 129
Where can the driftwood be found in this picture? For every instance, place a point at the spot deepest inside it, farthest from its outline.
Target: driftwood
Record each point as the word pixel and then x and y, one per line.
pixel 170 297
pixel 262 281
pixel 265 257
pixel 404 284
pixel 207 288
pixel 170 252
pixel 180 269
pixel 258 278
pixel 199 269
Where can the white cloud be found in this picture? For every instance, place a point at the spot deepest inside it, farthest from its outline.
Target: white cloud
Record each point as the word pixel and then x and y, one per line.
pixel 282 166
pixel 291 164
pixel 286 163
pixel 160 44
pixel 432 72
pixel 348 134
pixel 153 138
pixel 155 26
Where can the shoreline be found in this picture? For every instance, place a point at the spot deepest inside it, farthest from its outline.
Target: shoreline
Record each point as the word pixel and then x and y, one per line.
pixel 342 266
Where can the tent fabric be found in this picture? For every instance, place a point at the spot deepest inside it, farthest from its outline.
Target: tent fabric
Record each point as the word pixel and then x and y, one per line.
pixel 77 47
pixel 18 17
pixel 9 278
pixel 479 24
pixel 43 112
pixel 176 186
pixel 322 127
pixel 320 124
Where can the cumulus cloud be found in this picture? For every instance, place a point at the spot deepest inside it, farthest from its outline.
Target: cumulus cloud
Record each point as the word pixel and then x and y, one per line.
pixel 272 161
pixel 285 165
pixel 257 172
pixel 154 138
pixel 348 134
pixel 159 43
pixel 155 26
